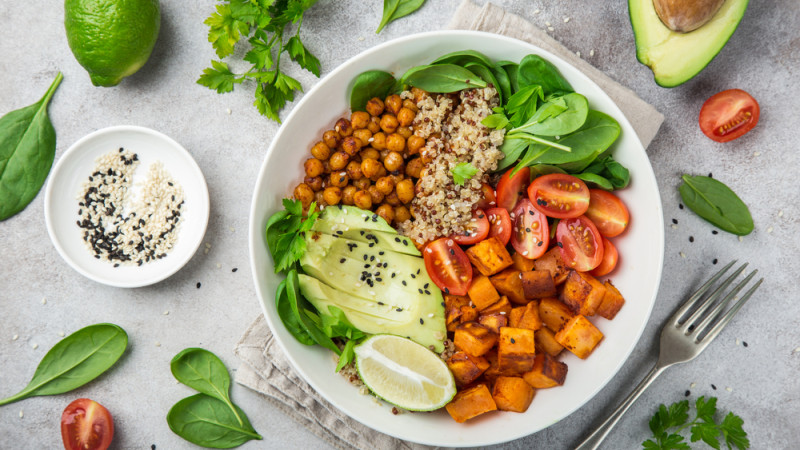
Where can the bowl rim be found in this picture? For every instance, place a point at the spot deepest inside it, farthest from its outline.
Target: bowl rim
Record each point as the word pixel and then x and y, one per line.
pixel 613 109
pixel 173 145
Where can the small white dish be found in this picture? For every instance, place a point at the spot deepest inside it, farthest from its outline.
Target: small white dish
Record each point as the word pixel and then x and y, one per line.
pixel 73 169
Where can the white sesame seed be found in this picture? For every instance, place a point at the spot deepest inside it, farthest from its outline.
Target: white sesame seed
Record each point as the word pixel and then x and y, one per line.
pixel 591 52
pixel 166 313
pixel 232 229
pixel 35 346
pixel 741 239
pixel 756 153
pixel 566 19
pixel 769 230
pixel 683 255
pixel 15 337
pixel 158 344
pixel 551 28
pixel 44 300
pixel 430 315
pixel 21 414
pixel 674 227
pixel 780 213
pixel 738 341
pixel 537 11
pixel 729 389
pixel 693 385
pixel 797 350
pixel 547 24
pixel 219 266
pixel 208 245
pixel 578 54
pixel 228 111
pixel 60 334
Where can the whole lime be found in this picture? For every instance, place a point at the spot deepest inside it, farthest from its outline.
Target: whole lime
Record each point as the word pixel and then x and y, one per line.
pixel 111 39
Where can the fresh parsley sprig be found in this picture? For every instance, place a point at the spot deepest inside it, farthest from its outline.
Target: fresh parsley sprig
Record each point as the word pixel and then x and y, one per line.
pixel 285 231
pixel 703 427
pixel 462 172
pixel 264 24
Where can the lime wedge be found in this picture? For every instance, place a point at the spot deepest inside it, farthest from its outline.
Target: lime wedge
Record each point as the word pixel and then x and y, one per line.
pixel 404 373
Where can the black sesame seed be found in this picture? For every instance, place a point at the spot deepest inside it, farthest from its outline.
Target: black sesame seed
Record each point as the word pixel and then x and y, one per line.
pixel 513 341
pixel 446 291
pixel 339 232
pixel 404 283
pixel 442 303
pixel 714 232
pixel 680 205
pixel 714 261
pixel 560 244
pixel 421 322
pixel 399 309
pixel 420 291
pixel 686 394
pixel 380 303
pixel 418 271
pixel 380 253
pixel 397 239
pixel 234 269
pixel 452 252
pixel 413 276
pixel 198 285
pixel 744 343
pixel 366 257
pixel 341 261
pixel 539 244
pixel 675 221
pixel 691 238
pixel 713 387
pixel 378 279
pixel 427 292
pixel 362 232
pixel 527 230
pixel 426 285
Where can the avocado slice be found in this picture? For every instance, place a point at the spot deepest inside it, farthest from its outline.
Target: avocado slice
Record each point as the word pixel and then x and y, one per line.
pixel 351 217
pixel 676 57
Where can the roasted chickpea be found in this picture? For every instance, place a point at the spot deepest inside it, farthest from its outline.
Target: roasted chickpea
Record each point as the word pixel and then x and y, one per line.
pixel 397 177
pixel 392 199
pixel 363 135
pixel 314 167
pixel 362 199
pixel 351 145
pixel 385 185
pixel 405 116
pixel 320 151
pixel 331 138
pixel 319 199
pixel 408 103
pixel 414 167
pixel 343 127
pixel 385 211
pixel 339 161
pixel 332 195
pixel 374 124
pixel 379 140
pixel 406 132
pixel 347 194
pixel 359 119
pixel 304 193
pixel 389 123
pixel 401 214
pixel 395 142
pixel 414 144
pixel 394 103
pixel 370 167
pixel 339 179
pixel 362 183
pixel 369 152
pixel 393 161
pixel 419 94
pixel 405 190
pixel 315 183
pixel 375 106
pixel 326 166
pixel 375 194
pixel 354 170
pixel 380 174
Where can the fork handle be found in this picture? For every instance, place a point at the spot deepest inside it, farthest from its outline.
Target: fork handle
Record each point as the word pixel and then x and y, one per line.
pixel 593 440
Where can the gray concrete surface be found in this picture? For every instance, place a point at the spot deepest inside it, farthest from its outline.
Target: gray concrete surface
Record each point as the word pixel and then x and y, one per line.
pixel 758 381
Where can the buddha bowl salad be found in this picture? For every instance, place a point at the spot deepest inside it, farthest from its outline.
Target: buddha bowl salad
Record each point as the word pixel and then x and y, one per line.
pixel 449 239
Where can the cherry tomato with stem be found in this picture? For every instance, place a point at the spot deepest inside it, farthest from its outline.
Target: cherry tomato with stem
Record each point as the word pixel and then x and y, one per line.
pixel 607 212
pixel 559 195
pixel 580 242
pixel 530 234
pixel 448 266
pixel 609 262
pixel 500 224
pixel 728 115
pixel 476 230
pixel 86 425
pixel 511 189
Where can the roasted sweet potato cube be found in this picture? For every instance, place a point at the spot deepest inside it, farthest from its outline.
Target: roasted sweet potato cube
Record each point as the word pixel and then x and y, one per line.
pixel 493 321
pixel 579 336
pixel 547 372
pixel 512 394
pixel 470 403
pixel 452 308
pixel 582 293
pixel 466 368
pixel 482 292
pixel 502 306
pixel 537 284
pixel 552 262
pixel 515 350
pixel 489 256
pixel 612 302
pixel 546 341
pixel 515 315
pixel 522 263
pixel 554 313
pixel 509 283
pixel 493 371
pixel 530 317
pixel 474 338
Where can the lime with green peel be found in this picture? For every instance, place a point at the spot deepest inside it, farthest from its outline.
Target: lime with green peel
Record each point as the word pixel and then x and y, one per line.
pixel 404 373
pixel 111 39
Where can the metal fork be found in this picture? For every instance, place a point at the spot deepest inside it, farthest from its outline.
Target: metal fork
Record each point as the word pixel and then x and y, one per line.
pixel 682 339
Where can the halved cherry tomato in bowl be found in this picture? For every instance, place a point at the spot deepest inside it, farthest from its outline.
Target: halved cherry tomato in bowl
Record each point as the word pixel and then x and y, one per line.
pixel 500 224
pixel 511 189
pixel 728 115
pixel 581 244
pixel 559 195
pixel 530 234
pixel 609 262
pixel 448 266
pixel 489 198
pixel 476 230
pixel 607 212
pixel 86 425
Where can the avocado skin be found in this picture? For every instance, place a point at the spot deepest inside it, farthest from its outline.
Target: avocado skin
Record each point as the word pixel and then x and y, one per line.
pixel 695 49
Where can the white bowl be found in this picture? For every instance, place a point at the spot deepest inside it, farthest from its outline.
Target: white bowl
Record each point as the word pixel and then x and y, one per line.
pixel 641 249
pixel 73 169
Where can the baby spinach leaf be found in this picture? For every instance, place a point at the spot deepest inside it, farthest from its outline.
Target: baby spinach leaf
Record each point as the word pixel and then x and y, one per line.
pixel 486 75
pixel 75 360
pixel 610 169
pixel 299 307
pixel 210 422
pixel 443 78
pixel 495 121
pixel 521 106
pixel 717 203
pixel 512 149
pixel 27 149
pixel 551 119
pixel 512 70
pixel 203 371
pixel 503 81
pixel 587 143
pixel 395 9
pixel 290 321
pixel 594 180
pixel 464 57
pixel 537 71
pixel 372 83
pixel 537 170
pixel 335 324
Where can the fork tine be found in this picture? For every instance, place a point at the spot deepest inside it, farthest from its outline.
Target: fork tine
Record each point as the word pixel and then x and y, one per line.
pixel 692 320
pixel 714 314
pixel 699 294
pixel 732 312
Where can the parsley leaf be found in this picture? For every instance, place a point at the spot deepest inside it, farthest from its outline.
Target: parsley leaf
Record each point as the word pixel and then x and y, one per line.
pixel 703 427
pixel 224 31
pixel 463 172
pixel 285 231
pixel 299 54
pixel 219 77
pixel 734 433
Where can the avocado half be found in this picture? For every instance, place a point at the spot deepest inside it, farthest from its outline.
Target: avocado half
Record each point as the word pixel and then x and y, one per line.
pixel 675 57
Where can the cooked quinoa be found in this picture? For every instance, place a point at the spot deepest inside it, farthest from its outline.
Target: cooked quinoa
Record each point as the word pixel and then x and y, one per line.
pixel 452 126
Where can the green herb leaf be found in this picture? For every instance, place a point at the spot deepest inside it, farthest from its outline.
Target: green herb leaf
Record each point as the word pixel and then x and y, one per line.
pixel 703 427
pixel 224 31
pixel 347 355
pixel 733 432
pixel 717 203
pixel 496 121
pixel 209 422
pixel 27 149
pixel 203 371
pixel 463 172
pixel 284 231
pixel 395 9
pixel 707 432
pixel 370 84
pixel 443 78
pixel 219 77
pixel 75 360
pixel 260 54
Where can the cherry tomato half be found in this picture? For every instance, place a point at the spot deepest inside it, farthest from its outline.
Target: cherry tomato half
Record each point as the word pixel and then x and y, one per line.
pixel 580 242
pixel 728 115
pixel 500 223
pixel 609 262
pixel 510 189
pixel 607 212
pixel 448 266
pixel 86 425
pixel 477 229
pixel 531 233
pixel 489 199
pixel 559 195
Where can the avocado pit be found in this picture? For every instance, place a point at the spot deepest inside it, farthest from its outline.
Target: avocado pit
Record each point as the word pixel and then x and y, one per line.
pixel 684 16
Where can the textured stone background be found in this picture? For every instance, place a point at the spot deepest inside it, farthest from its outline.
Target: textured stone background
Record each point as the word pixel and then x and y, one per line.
pixel 763 57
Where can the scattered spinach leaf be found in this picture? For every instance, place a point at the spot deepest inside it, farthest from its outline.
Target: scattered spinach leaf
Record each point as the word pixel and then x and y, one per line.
pixel 203 371
pixel 369 84
pixel 75 360
pixel 395 9
pixel 462 172
pixel 717 203
pixel 537 71
pixel 27 149
pixel 443 78
pixel 210 422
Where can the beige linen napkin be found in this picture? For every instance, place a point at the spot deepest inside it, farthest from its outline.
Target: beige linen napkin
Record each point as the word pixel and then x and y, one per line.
pixel 265 368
